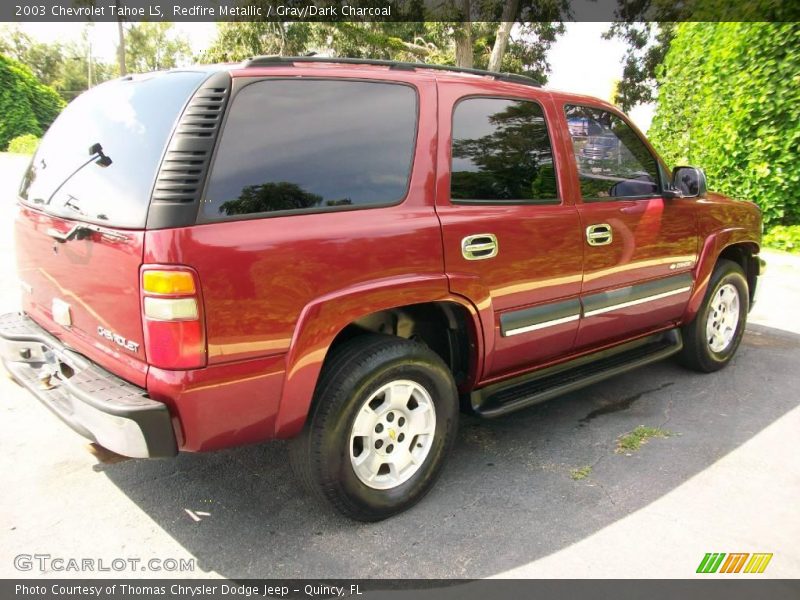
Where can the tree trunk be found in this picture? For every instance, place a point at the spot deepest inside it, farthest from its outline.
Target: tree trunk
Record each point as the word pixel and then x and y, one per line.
pixel 463 37
pixel 503 33
pixel 416 49
pixel 123 70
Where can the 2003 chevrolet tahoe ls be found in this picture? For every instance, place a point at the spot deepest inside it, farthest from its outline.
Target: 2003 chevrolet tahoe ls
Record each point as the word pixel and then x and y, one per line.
pixel 347 253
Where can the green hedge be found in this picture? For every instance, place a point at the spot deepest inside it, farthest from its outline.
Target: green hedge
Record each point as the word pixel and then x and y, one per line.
pixel 729 102
pixel 26 105
pixel 24 144
pixel 783 237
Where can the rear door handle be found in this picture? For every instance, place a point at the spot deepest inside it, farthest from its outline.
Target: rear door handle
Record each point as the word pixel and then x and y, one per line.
pixel 479 246
pixel 599 234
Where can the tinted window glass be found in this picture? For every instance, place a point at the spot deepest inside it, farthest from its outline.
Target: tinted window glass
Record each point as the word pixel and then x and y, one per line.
pixel 132 120
pixel 290 145
pixel 501 152
pixel 613 162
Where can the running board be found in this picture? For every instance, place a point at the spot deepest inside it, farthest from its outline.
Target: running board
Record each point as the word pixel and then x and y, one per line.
pixel 532 388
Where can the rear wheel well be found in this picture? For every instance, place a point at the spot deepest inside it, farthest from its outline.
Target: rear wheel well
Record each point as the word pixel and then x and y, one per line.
pixel 444 327
pixel 744 255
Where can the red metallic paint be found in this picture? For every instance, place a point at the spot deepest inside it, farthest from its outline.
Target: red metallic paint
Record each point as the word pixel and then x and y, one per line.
pixel 322 320
pixel 651 236
pixel 222 405
pixel 537 262
pixel 722 223
pixel 179 344
pixel 286 265
pixel 97 276
pixel 276 291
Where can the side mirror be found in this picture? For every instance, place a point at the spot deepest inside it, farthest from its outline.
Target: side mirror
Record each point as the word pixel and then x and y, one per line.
pixel 687 182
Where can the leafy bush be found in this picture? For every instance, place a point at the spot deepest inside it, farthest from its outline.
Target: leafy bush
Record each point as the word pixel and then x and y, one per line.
pixel 783 237
pixel 729 102
pixel 24 144
pixel 26 105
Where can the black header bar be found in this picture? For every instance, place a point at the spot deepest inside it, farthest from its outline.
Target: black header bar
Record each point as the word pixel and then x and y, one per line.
pixel 393 10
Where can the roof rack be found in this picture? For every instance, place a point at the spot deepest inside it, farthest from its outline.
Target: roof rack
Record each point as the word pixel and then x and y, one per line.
pixel 274 61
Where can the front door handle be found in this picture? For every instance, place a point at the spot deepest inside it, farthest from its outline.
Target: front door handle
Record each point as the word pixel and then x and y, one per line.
pixel 599 235
pixel 479 246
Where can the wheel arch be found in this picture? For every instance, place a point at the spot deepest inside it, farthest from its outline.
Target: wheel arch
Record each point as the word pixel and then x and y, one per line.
pixel 408 307
pixel 734 244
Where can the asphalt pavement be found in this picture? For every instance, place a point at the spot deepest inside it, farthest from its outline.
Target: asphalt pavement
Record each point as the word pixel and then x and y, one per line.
pixel 541 493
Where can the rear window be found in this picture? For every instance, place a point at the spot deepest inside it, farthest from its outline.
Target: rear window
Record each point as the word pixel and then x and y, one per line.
pixel 313 145
pixel 132 120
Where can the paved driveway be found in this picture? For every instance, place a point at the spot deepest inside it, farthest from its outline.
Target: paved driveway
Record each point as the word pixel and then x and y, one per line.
pixel 511 502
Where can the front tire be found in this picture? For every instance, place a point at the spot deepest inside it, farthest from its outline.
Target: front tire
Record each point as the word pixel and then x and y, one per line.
pixel 712 338
pixel 384 418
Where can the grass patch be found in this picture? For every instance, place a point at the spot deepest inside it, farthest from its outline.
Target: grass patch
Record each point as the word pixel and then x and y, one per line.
pixel 581 473
pixel 631 442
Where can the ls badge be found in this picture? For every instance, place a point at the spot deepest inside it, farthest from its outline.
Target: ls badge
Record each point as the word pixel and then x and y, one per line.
pixel 685 264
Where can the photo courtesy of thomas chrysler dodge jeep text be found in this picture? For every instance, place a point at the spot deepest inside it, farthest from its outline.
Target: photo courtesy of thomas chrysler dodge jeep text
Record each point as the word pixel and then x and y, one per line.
pixel 349 253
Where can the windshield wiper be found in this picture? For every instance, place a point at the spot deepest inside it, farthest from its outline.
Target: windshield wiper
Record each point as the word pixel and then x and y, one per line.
pixel 96 155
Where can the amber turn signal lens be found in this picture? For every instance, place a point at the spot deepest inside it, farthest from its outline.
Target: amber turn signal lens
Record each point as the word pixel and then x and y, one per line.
pixel 167 282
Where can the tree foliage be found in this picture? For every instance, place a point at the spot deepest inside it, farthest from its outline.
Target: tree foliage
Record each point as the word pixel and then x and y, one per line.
pixel 273 196
pixel 41 58
pixel 527 48
pixel 511 160
pixel 24 144
pixel 784 237
pixel 729 102
pixel 66 66
pixel 413 40
pixel 647 27
pixel 62 66
pixel 237 41
pixel 154 47
pixel 26 105
pixel 647 45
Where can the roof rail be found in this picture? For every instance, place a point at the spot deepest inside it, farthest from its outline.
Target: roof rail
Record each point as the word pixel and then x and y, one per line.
pixel 274 61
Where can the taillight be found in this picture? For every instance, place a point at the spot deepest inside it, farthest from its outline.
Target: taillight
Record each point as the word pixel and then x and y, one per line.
pixel 174 334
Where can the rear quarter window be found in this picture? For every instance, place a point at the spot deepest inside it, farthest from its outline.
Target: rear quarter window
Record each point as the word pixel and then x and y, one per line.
pixel 313 145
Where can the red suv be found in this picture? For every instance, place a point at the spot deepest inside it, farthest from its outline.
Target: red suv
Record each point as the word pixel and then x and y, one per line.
pixel 347 252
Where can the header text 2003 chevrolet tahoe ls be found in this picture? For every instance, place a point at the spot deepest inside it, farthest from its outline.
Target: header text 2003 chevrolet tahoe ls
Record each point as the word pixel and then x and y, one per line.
pixel 347 253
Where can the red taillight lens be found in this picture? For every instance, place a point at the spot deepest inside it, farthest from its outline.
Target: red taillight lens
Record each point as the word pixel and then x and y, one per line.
pixel 174 334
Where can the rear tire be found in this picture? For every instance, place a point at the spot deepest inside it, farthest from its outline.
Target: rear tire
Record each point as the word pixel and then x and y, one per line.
pixel 384 417
pixel 712 338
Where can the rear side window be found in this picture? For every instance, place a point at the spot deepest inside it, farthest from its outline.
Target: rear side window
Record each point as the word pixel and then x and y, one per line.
pixel 501 153
pixel 613 162
pixel 310 145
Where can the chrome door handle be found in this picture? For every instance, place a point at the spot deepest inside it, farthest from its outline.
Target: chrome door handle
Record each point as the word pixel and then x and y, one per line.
pixel 599 235
pixel 479 246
